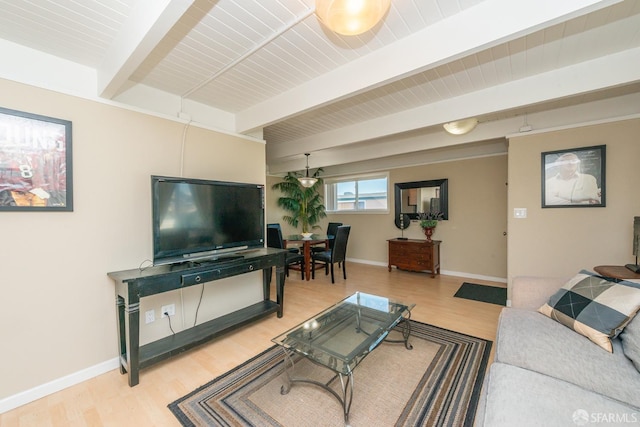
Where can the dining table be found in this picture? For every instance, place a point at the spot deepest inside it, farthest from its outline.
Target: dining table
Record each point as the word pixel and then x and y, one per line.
pixel 307 242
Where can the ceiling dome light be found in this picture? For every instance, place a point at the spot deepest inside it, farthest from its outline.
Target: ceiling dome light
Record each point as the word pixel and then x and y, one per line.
pixel 461 127
pixel 307 181
pixel 351 17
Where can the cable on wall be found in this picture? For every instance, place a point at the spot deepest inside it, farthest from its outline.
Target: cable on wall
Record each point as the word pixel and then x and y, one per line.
pixel 195 320
pixel 182 147
pixel 183 144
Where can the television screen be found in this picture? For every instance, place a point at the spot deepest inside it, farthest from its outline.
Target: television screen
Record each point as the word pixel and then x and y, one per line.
pixel 194 218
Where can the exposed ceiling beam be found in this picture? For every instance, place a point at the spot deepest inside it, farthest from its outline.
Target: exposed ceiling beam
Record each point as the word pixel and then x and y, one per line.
pixel 484 27
pixel 586 77
pixel 493 147
pixel 410 143
pixel 148 24
pixel 372 155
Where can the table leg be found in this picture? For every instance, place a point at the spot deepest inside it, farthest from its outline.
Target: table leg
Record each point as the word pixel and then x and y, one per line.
pixel 406 332
pixel 346 384
pixel 307 260
pixel 122 334
pixel 280 275
pixel 266 283
pixel 132 309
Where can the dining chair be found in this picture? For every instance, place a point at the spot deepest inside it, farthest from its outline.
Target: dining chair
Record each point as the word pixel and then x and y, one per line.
pixel 331 256
pixel 279 227
pixel 294 260
pixel 332 228
pixel 331 231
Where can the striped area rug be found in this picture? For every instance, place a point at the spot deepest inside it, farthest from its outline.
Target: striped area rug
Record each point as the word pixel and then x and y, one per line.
pixel 437 383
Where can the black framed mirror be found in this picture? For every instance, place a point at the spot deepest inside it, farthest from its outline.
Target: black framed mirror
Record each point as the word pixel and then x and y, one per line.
pixel 422 196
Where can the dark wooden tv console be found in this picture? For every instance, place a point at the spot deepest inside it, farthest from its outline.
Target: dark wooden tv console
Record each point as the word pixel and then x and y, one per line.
pixel 132 285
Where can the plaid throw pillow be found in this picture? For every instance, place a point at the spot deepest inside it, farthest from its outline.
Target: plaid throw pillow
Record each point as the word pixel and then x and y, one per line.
pixel 594 307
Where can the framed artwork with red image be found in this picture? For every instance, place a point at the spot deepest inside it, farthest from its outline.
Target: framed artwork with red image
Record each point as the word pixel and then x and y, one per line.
pixel 35 162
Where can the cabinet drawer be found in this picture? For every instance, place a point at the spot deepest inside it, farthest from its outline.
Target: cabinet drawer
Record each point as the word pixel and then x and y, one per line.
pixel 423 256
pixel 411 257
pixel 413 266
pixel 419 264
pixel 201 277
pixel 414 255
pixel 411 251
pixel 222 271
pixel 397 259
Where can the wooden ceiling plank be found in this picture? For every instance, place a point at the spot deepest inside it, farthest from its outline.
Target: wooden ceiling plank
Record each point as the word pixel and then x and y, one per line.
pixel 589 76
pixel 485 26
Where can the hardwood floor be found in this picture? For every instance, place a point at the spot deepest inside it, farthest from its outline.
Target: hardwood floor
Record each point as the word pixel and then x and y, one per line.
pixel 107 400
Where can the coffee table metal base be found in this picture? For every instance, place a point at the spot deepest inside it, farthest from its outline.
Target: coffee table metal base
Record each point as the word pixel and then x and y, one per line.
pixel 346 380
pixel 346 384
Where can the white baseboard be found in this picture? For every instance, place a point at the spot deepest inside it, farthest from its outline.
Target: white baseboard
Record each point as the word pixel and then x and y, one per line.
pixel 445 272
pixel 366 261
pixel 27 396
pixel 474 276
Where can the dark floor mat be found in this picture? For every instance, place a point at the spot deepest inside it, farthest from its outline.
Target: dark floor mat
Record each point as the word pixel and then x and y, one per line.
pixel 483 293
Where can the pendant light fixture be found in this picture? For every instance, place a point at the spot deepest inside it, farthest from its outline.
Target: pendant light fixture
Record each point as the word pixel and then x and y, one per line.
pixel 351 17
pixel 461 127
pixel 307 181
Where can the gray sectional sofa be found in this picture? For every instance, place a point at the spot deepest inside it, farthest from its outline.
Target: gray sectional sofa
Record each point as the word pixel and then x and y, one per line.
pixel 545 374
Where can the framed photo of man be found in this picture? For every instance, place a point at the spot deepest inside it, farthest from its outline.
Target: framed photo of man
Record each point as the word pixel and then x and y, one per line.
pixel 574 178
pixel 35 162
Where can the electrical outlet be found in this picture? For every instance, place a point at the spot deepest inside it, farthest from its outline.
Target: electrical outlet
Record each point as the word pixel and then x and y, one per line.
pixel 149 316
pixel 170 309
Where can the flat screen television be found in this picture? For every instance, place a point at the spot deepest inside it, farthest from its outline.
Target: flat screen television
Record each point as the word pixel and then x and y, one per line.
pixel 195 219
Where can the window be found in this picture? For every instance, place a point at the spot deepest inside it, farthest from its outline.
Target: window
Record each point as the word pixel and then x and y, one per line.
pixel 367 193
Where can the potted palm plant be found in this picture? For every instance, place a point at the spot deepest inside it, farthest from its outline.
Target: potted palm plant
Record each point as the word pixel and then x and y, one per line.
pixel 304 204
pixel 429 221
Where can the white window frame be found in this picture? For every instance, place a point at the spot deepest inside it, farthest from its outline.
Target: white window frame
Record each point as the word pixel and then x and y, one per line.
pixel 330 196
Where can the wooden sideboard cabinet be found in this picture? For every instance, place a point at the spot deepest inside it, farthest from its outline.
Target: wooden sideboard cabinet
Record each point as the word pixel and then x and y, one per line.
pixel 415 255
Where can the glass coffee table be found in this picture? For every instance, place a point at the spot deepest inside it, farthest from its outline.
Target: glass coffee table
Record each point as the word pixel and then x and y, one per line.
pixel 340 337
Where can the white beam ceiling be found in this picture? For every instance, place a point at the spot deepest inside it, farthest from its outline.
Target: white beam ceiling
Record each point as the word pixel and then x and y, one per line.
pixel 148 24
pixel 587 77
pixel 484 26
pixel 415 147
pixel 470 52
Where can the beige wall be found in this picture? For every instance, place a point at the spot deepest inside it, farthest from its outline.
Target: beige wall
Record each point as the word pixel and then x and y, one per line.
pixel 58 316
pixel 472 239
pixel 58 311
pixel 551 242
pixel 561 241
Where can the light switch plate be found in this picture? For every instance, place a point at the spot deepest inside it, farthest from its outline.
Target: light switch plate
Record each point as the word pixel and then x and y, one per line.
pixel 520 212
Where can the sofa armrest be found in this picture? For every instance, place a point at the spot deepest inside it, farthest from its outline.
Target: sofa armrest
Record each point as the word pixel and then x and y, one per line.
pixel 531 293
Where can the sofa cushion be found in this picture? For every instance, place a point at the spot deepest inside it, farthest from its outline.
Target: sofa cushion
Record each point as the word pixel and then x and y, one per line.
pixel 513 396
pixel 630 338
pixel 594 306
pixel 530 340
